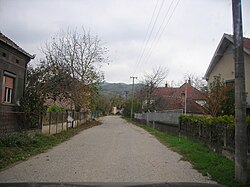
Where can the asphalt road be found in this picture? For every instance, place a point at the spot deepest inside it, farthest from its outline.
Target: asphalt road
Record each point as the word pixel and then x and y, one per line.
pixel 115 151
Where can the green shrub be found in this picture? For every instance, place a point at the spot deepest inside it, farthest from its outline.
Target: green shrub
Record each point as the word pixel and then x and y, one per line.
pixel 248 120
pixel 55 108
pixel 207 120
pixel 15 140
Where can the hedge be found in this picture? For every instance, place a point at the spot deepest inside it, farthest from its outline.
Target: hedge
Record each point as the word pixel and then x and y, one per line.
pixel 207 120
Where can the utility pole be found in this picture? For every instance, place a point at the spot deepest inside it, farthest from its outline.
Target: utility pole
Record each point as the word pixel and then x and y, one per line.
pixel 185 99
pixel 132 99
pixel 240 97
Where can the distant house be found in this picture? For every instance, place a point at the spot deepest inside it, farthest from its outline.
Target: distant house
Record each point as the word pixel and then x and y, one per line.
pixel 168 98
pixel 13 65
pixel 222 63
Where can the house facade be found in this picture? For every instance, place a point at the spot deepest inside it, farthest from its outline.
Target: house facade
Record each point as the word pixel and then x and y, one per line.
pixel 185 97
pixel 13 66
pixel 222 63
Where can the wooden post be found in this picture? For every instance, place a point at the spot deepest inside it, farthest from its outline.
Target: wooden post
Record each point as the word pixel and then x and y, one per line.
pixel 56 121
pixel 49 121
pixel 62 120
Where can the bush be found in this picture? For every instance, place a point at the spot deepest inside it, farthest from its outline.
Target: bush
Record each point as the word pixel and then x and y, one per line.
pixel 15 140
pixel 207 120
pixel 55 108
pixel 248 120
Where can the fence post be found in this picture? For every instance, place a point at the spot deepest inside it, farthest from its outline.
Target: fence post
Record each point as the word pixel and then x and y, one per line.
pixel 49 121
pixel 210 134
pixel 147 118
pixel 200 126
pixel 225 136
pixel 41 120
pixel 62 120
pixel 56 121
pixel 153 119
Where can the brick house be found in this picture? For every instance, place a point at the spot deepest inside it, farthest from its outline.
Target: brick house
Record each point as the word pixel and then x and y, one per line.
pixel 13 66
pixel 169 98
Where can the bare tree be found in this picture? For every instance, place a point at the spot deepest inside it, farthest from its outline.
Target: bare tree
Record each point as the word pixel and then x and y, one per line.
pixel 79 57
pixel 197 81
pixel 151 82
pixel 80 54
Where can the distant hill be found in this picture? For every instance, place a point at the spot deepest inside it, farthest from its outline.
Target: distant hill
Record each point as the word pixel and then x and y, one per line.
pixel 117 89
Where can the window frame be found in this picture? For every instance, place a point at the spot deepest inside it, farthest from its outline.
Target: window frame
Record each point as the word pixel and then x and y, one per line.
pixel 7 92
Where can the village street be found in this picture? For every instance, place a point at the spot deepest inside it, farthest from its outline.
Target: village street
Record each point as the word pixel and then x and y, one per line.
pixel 115 151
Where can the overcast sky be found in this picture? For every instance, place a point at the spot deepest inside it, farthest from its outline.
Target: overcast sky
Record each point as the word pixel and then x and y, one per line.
pixel 187 43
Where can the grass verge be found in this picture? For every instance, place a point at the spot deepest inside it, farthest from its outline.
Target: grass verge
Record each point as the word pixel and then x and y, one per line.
pixel 21 145
pixel 209 163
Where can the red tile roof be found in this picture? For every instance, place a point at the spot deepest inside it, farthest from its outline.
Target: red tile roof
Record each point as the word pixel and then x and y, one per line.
pixel 165 91
pixel 173 98
pixel 8 41
pixel 246 43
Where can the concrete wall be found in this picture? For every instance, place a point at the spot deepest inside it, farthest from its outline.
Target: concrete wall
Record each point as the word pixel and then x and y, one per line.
pixel 166 117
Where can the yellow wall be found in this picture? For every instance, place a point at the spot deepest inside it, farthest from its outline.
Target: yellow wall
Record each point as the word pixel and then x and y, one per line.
pixel 225 67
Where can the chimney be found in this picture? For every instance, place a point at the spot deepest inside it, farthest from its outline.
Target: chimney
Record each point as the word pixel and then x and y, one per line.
pixel 166 84
pixel 189 81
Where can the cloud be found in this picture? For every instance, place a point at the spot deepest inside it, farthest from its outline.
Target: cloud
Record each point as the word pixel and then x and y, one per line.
pixel 187 44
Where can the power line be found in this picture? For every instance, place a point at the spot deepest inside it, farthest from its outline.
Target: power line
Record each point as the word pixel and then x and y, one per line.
pixel 162 23
pixel 151 31
pixel 151 19
pixel 155 44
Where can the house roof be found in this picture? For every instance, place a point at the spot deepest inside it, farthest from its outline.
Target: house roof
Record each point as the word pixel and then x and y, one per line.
pixel 173 98
pixel 225 41
pixel 173 103
pixel 192 92
pixel 12 44
pixel 165 91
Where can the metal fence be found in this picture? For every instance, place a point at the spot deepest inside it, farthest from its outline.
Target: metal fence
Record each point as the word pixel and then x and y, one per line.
pixel 217 136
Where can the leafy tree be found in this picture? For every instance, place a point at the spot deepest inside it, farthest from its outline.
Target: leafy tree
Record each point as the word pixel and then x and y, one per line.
pixel 32 102
pixel 101 104
pixel 71 67
pixel 127 106
pixel 219 98
pixel 33 99
pixel 228 105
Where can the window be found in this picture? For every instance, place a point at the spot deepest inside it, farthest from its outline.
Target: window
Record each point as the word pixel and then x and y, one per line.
pixel 17 61
pixel 8 89
pixel 8 95
pixel 4 54
pixel 230 82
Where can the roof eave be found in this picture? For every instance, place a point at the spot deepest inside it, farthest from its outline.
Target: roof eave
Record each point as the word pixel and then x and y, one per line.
pixel 217 56
pixel 20 50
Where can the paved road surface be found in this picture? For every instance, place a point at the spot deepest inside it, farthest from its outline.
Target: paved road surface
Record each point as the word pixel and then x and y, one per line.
pixel 116 151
